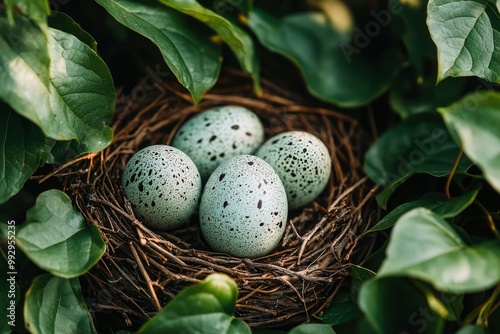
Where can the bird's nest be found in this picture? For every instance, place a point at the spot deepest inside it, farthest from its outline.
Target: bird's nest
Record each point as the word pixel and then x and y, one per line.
pixel 143 269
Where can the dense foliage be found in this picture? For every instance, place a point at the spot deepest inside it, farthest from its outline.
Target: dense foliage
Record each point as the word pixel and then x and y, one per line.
pixel 425 71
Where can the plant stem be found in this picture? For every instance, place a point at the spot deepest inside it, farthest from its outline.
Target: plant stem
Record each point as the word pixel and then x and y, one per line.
pixel 452 172
pixel 489 218
pixel 488 308
pixel 483 310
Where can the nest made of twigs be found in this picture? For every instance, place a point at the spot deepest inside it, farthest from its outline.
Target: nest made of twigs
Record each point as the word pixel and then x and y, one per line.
pixel 143 269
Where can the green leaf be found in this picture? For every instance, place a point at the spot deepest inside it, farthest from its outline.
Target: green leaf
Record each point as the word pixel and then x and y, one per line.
pixel 474 122
pixel 467 36
pixel 186 47
pixel 56 305
pixel 418 144
pixel 424 246
pixel 37 10
pixel 310 41
pixel 209 323
pixel 60 151
pixel 206 307
pixel 69 97
pixel 24 60
pixel 65 23
pixel 415 34
pixel 471 329
pixel 437 202
pixel 412 95
pixel 342 309
pixel 81 92
pixel 238 326
pixel 230 7
pixel 393 305
pixel 56 238
pixel 22 151
pixel 236 38
pixel 312 329
pixel 360 275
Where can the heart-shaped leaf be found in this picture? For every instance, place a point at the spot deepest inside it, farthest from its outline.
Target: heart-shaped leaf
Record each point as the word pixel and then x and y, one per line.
pixel 56 305
pixel 68 91
pixel 419 144
pixel 206 307
pixel 436 202
pixel 423 245
pixel 236 38
pixel 21 148
pixel 56 238
pixel 474 122
pixel 312 329
pixel 467 36
pixel 319 50
pixel 184 43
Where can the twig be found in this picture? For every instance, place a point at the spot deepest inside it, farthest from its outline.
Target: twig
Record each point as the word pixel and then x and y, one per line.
pixel 145 276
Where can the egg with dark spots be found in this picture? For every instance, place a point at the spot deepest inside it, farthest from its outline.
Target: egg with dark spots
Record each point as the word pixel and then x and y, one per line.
pixel 243 209
pixel 162 185
pixel 218 134
pixel 303 163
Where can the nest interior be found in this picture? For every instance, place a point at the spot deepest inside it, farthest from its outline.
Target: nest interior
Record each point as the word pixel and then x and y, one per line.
pixel 143 269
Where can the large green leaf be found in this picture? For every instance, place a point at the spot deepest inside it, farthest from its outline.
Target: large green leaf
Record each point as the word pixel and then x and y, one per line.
pixel 236 38
pixel 312 329
pixel 437 202
pixel 474 122
pixel 418 144
pixel 310 41
pixel 22 151
pixel 24 61
pixel 70 96
pixel 423 245
pixel 56 305
pixel 206 307
pixel 467 36
pixel 37 10
pixel 56 238
pixel 65 23
pixel 394 305
pixel 185 45
pixel 209 323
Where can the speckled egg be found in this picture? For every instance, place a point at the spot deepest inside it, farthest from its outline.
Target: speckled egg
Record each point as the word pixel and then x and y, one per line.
pixel 303 163
pixel 163 186
pixel 243 208
pixel 218 134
